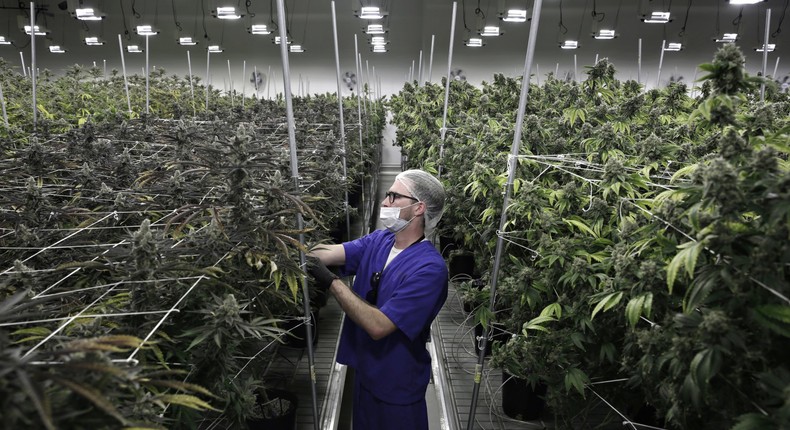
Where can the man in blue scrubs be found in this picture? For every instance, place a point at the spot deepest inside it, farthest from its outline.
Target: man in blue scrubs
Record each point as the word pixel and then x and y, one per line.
pixel 399 287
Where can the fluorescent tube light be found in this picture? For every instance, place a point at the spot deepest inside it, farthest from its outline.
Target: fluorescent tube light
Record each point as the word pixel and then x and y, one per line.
pixel 673 46
pixel 728 38
pixel 370 12
pixel 93 41
pixel 87 14
pixel 657 18
pixel 474 42
pixel 227 12
pixel 277 40
pixel 570 44
pixel 745 1
pixel 771 47
pixel 378 41
pixel 146 30
pixel 379 48
pixel 39 30
pixel 134 49
pixel 605 34
pixel 56 49
pixel 296 49
pixel 214 49
pixel 4 41
pixel 515 15
pixel 260 29
pixel 375 29
pixel 187 41
pixel 490 30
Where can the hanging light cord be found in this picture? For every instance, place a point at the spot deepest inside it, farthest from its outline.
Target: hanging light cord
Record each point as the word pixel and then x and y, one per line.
pixel 563 28
pixel 682 32
pixel 596 14
pixel 125 27
pixel 782 18
pixel 175 18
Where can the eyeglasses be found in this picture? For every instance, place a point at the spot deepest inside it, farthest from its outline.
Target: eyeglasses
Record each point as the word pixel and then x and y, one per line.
pixel 373 294
pixel 392 195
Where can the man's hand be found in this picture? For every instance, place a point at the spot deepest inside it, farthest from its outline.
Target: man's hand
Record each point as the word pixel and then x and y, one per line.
pixel 318 270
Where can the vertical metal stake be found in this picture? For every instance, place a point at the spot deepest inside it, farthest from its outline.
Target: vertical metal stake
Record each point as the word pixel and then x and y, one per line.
pixel 191 85
pixel 146 75
pixel 443 130
pixel 33 60
pixel 125 79
pixel 660 63
pixel 765 52
pixel 342 122
pixel 430 62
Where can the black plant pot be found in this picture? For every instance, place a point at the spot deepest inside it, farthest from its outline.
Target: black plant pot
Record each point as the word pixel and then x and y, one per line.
pixel 462 264
pixel 285 421
pixel 298 331
pixel 447 244
pixel 498 334
pixel 520 400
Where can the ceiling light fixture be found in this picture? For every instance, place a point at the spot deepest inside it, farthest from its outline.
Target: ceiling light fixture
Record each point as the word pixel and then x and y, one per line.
pixel 134 49
pixel 214 49
pixel 146 30
pixel 277 40
pixel 87 14
pixel 474 42
pixel 4 41
pixel 490 30
pixel 296 49
pixel 375 29
pixel 515 15
pixel 378 41
pixel 226 12
pixel 727 38
pixel 56 49
pixel 259 29
pixel 605 34
pixel 570 44
pixel 771 47
pixel 673 46
pixel 39 31
pixel 657 18
pixel 379 48
pixel 370 12
pixel 187 41
pixel 739 2
pixel 93 41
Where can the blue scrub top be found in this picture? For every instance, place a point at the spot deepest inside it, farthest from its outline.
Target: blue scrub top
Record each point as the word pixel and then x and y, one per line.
pixel 412 290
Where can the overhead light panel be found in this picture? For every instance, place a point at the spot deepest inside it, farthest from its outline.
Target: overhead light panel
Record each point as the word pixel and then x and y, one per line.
pixel 605 34
pixel 259 29
pixel 370 12
pixel 134 49
pixel 214 49
pixel 673 46
pixel 187 41
pixel 296 49
pixel 740 2
pixel 93 41
pixel 490 30
pixel 475 42
pixel 379 48
pixel 39 31
pixel 226 12
pixel 657 18
pixel 56 49
pixel 4 41
pixel 570 44
pixel 515 15
pixel 87 14
pixel 378 41
pixel 771 47
pixel 375 29
pixel 727 38
pixel 277 40
pixel 146 30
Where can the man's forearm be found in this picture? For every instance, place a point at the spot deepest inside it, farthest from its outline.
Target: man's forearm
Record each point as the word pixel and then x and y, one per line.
pixel 371 319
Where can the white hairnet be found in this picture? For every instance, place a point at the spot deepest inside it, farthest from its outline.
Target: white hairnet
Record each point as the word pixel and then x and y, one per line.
pixel 427 189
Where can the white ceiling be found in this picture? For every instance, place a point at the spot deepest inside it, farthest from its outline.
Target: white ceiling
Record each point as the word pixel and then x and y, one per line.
pixel 412 26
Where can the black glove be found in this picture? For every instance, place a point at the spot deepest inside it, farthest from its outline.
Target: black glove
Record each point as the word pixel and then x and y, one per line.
pixel 318 270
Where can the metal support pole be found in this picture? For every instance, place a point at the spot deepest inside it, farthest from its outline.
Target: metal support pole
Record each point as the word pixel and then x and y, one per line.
pixel 2 101
pixel 660 63
pixel 105 69
pixel 244 82
pixel 255 77
pixel 765 53
pixel 24 68
pixel 537 73
pixel 443 130
pixel 268 81
pixel 191 85
pixel 230 84
pixel 208 77
pixel 366 214
pixel 125 79
pixel 430 62
pixel 639 63
pixel 147 94
pixel 575 69
pixel 299 221
pixel 512 163
pixel 776 67
pixel 342 121
pixel 419 70
pixel 33 60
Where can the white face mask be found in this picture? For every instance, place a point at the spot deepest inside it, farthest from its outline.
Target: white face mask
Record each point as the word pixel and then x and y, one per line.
pixel 390 218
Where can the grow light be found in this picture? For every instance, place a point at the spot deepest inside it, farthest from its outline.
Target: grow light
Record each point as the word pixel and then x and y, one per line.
pixel 673 46
pixel 226 12
pixel 375 29
pixel 296 49
pixel 605 34
pixel 490 30
pixel 771 47
pixel 146 30
pixel 657 18
pixel 4 41
pixel 474 42
pixel 87 14
pixel 277 40
pixel 736 2
pixel 570 44
pixel 56 49
pixel 39 31
pixel 214 49
pixel 728 38
pixel 260 29
pixel 187 41
pixel 370 12
pixel 93 41
pixel 134 49
pixel 515 15
pixel 378 41
pixel 379 48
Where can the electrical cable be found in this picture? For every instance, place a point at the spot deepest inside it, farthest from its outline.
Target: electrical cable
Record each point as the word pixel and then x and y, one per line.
pixel 175 17
pixel 781 19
